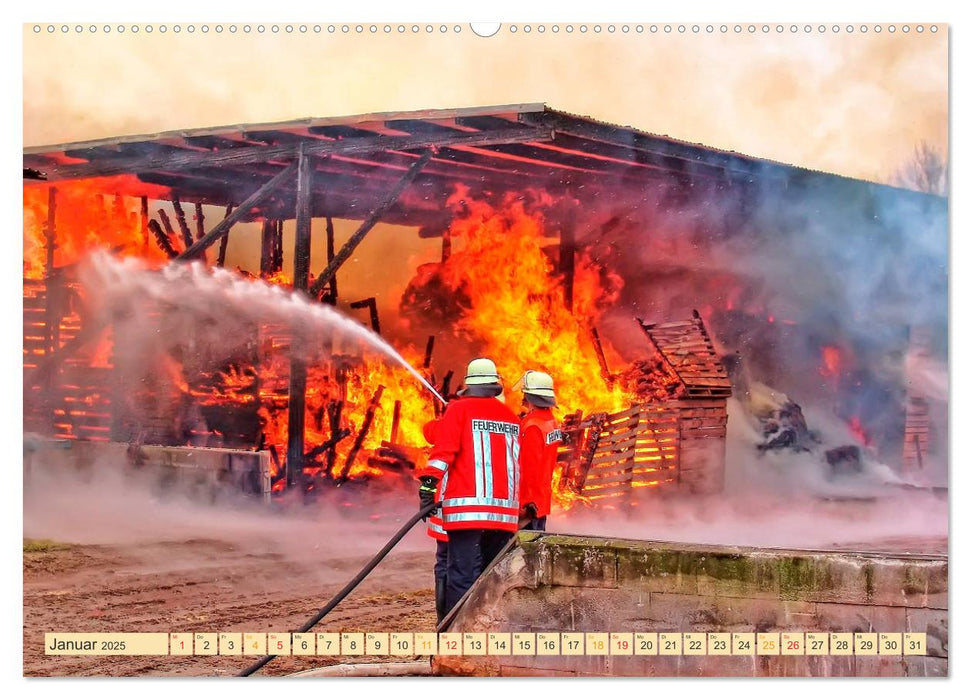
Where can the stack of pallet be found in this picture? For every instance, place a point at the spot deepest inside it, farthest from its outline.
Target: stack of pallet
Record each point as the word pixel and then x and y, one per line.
pixel 672 444
pixel 917 425
pixel 66 398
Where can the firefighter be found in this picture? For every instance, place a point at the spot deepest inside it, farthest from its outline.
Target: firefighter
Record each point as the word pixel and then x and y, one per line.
pixel 437 532
pixel 540 439
pixel 475 461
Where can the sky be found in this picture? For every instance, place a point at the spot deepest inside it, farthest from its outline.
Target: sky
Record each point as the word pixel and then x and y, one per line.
pixel 850 103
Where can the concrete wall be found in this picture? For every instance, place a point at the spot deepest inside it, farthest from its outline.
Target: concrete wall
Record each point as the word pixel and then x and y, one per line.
pixel 561 583
pixel 204 472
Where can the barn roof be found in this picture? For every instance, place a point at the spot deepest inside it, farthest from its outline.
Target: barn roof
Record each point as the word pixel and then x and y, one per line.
pixel 357 159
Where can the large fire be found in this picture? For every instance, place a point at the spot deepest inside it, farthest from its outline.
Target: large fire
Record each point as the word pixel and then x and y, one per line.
pixel 88 215
pixel 516 303
pixel 513 307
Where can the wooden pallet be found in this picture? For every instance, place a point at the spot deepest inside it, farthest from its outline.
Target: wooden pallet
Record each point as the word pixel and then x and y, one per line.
pixel 687 348
pixel 637 448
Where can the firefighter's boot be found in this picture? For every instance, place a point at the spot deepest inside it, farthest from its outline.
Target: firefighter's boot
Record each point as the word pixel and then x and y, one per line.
pixel 440 608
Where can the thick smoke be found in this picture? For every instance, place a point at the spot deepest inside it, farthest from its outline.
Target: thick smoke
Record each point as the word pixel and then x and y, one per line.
pixel 109 504
pixel 781 270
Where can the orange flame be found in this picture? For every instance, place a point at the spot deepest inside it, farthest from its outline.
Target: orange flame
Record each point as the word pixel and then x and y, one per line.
pixel 831 362
pixel 517 306
pixel 88 214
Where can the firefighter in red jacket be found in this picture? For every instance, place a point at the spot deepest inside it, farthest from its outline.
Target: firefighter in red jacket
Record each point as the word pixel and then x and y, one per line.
pixel 476 461
pixel 540 439
pixel 437 532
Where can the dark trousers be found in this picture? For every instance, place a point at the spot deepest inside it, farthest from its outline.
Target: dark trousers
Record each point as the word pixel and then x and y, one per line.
pixel 535 524
pixel 441 559
pixel 441 571
pixel 469 553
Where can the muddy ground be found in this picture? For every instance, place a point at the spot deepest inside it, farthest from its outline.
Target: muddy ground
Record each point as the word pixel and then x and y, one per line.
pixel 125 559
pixel 207 585
pixel 120 558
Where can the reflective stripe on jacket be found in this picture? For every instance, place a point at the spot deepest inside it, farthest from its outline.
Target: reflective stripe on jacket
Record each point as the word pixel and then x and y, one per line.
pixel 476 455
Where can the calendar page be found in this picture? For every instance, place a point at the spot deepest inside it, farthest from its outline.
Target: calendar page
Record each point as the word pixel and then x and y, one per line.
pixel 605 347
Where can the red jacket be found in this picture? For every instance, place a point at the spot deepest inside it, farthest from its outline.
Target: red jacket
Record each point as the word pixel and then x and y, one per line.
pixel 540 440
pixel 435 525
pixel 476 456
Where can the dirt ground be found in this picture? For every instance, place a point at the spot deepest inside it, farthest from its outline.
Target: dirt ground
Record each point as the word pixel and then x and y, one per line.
pixel 115 556
pixel 207 585
pixel 125 560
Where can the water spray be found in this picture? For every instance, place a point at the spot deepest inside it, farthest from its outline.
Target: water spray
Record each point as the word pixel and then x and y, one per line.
pixel 114 281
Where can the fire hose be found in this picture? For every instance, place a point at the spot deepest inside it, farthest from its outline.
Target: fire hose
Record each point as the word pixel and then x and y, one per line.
pixel 352 584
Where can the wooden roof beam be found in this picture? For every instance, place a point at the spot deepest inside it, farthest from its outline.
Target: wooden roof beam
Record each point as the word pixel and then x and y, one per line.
pixel 235 156
pixel 593 131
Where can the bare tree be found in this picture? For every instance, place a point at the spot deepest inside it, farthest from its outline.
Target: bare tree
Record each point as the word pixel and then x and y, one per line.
pixel 925 172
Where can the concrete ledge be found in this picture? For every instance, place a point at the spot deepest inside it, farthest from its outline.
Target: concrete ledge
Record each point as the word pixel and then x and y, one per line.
pixel 561 583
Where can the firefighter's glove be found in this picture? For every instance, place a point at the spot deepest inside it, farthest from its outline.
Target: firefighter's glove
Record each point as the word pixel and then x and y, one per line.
pixel 529 511
pixel 426 492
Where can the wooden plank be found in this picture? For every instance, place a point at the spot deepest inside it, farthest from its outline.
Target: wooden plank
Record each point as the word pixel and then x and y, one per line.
pixel 613 490
pixel 695 437
pixel 614 447
pixel 628 413
pixel 600 484
pixel 619 466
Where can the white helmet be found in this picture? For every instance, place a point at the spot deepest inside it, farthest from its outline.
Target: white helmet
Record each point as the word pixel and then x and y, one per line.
pixel 538 384
pixel 481 371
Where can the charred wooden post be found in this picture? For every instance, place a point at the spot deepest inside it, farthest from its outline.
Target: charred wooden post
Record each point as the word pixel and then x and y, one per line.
pixel 334 409
pixel 444 391
pixel 143 221
pixel 278 246
pixel 447 383
pixel 200 222
pixel 224 241
pixel 331 296
pixel 352 243
pixel 50 236
pixel 568 249
pixel 371 304
pixel 242 210
pixel 362 433
pixel 429 349
pixel 296 427
pixel 167 225
pixel 601 358
pixel 266 251
pixel 395 422
pixel 302 239
pixel 162 239
pixel 183 224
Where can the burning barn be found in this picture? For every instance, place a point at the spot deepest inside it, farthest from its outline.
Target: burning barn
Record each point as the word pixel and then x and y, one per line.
pixel 655 279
